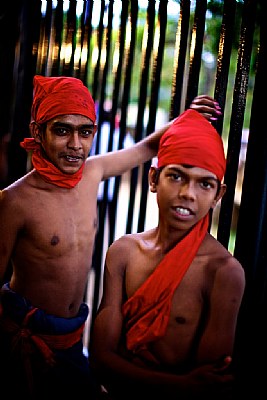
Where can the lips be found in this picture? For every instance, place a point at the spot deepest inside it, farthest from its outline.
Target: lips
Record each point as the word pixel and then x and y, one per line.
pixel 183 211
pixel 72 158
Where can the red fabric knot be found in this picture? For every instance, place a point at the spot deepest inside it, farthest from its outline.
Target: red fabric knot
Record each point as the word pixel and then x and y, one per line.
pixel 24 332
pixel 47 170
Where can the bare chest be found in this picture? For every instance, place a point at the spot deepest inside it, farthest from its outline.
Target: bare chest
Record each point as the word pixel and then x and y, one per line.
pixel 144 265
pixel 60 224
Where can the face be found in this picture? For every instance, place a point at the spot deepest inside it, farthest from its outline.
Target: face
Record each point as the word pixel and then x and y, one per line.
pixel 66 141
pixel 184 194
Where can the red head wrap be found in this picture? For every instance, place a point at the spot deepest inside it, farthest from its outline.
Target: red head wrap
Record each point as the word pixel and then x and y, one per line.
pixel 192 140
pixel 60 96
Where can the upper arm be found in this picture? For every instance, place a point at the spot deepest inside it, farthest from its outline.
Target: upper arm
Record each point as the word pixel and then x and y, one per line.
pixel 107 325
pixel 118 162
pixel 9 226
pixel 224 304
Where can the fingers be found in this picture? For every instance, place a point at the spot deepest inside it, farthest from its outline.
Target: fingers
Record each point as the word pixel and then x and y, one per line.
pixel 223 364
pixel 207 106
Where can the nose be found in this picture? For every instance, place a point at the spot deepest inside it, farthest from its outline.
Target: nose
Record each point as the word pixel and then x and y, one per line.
pixel 187 191
pixel 74 141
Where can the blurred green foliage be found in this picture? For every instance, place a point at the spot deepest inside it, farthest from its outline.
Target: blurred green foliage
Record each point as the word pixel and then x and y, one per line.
pixel 209 57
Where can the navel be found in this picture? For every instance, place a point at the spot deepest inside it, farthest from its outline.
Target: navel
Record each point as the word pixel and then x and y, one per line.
pixel 54 240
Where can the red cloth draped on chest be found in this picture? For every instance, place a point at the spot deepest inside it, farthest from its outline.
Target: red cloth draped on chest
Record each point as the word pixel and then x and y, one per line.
pixel 147 312
pixel 190 140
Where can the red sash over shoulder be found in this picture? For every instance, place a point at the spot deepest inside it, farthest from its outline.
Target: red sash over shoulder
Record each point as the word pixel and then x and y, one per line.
pixel 190 140
pixel 147 312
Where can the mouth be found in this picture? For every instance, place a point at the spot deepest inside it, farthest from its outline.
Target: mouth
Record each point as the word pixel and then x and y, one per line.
pixel 73 159
pixel 184 212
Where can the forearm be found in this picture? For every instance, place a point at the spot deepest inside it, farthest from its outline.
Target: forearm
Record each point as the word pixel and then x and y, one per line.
pixel 203 104
pixel 118 162
pixel 119 376
pixel 123 379
pixel 150 144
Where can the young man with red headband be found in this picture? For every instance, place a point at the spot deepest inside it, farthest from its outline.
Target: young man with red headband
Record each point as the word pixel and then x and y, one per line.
pixel 174 291
pixel 47 231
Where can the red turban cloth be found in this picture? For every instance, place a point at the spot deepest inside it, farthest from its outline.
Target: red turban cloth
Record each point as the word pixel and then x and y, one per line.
pixel 60 96
pixel 55 96
pixel 192 140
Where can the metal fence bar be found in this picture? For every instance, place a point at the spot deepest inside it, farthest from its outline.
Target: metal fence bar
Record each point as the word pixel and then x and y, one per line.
pixel 37 45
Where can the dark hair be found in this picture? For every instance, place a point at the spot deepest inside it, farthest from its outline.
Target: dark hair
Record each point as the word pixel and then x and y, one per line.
pixel 157 174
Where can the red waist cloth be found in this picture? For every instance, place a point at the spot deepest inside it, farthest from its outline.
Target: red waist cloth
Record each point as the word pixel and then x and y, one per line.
pixel 25 343
pixel 24 338
pixel 147 312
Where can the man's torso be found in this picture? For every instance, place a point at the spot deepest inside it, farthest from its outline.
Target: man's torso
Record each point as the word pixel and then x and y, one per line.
pixel 53 252
pixel 189 301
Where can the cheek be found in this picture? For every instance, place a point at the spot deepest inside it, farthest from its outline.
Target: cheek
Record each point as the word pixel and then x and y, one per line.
pixel 163 199
pixel 208 202
pixel 87 144
pixel 50 148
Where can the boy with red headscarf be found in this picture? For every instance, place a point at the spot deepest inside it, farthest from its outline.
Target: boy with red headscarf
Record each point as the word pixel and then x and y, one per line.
pixel 174 291
pixel 47 231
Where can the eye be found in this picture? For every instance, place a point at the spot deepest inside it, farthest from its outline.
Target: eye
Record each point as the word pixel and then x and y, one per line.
pixel 60 131
pixel 87 131
pixel 207 185
pixel 175 176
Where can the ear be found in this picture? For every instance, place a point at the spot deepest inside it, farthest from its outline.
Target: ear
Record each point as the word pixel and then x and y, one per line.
pixel 152 179
pixel 36 132
pixel 219 195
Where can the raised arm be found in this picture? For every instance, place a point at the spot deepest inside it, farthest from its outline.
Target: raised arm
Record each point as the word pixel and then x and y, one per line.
pixel 117 162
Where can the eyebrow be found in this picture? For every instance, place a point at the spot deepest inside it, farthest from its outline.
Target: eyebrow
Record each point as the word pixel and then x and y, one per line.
pixel 68 125
pixel 177 169
pixel 59 123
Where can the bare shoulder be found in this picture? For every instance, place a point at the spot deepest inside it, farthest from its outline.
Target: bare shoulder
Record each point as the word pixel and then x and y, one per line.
pixel 94 166
pixel 124 246
pixel 226 267
pixel 15 203
pixel 118 257
pixel 15 192
pixel 10 194
pixel 18 202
